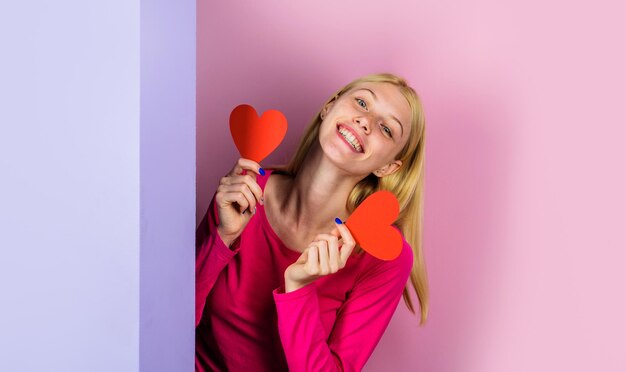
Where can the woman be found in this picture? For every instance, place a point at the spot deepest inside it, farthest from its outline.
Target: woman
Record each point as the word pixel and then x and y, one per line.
pixel 280 284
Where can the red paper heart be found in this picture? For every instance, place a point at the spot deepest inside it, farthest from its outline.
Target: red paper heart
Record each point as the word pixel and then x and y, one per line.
pixel 256 137
pixel 370 225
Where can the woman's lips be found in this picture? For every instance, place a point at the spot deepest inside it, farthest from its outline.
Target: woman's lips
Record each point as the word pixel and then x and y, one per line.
pixel 345 140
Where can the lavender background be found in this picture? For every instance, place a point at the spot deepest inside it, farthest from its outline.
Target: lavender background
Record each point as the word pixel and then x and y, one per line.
pixel 96 266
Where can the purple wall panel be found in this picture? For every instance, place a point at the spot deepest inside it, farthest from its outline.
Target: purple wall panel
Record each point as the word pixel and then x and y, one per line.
pixel 168 73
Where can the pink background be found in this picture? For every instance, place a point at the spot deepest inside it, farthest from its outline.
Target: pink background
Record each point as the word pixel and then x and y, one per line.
pixel 525 205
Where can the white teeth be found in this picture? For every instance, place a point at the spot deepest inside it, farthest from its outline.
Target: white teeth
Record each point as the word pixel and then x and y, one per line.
pixel 351 139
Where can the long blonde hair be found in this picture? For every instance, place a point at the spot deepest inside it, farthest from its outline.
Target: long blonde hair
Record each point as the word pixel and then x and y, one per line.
pixel 407 183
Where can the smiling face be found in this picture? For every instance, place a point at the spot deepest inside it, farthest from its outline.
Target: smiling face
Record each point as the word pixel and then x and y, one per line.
pixel 366 128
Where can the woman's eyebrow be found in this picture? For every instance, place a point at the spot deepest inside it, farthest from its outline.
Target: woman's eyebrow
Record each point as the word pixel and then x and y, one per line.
pixel 371 91
pixel 393 117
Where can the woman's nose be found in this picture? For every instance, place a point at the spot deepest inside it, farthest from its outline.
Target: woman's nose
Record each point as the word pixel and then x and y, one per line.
pixel 364 122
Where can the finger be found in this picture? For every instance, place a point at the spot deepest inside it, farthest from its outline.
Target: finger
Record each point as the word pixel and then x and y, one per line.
pixel 348 242
pixel 244 189
pixel 235 183
pixel 337 234
pixel 333 254
pixel 323 236
pixel 303 257
pixel 332 244
pixel 250 181
pixel 236 197
pixel 312 264
pixel 345 233
pixel 245 164
pixel 323 257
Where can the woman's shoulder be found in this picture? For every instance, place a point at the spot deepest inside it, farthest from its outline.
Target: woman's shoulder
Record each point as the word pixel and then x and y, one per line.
pixel 406 254
pixel 404 260
pixel 398 268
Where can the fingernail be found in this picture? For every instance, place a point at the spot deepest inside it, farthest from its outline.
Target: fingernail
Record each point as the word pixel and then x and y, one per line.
pixel 244 212
pixel 254 210
pixel 338 220
pixel 262 171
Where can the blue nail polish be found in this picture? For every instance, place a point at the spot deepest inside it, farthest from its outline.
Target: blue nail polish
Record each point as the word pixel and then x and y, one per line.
pixel 262 171
pixel 338 220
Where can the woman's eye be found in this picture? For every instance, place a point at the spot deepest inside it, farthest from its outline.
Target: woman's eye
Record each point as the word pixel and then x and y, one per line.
pixel 361 103
pixel 387 130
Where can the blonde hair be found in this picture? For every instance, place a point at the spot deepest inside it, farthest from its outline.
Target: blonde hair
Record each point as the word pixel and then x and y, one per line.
pixel 407 183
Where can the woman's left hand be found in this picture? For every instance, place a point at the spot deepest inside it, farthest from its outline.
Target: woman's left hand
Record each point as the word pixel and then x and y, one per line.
pixel 322 257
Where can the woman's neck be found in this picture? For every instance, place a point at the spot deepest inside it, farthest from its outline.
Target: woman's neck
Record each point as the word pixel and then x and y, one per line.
pixel 317 195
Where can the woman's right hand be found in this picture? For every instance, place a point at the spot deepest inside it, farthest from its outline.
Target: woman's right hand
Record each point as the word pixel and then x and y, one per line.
pixel 237 196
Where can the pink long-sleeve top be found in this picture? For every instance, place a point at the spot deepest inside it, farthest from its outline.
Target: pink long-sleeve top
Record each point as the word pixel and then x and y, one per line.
pixel 246 322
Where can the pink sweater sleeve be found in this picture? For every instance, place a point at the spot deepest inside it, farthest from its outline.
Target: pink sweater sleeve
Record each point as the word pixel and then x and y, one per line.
pixel 361 320
pixel 212 255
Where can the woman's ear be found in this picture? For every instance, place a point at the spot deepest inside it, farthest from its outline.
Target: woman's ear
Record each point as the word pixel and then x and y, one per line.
pixel 327 108
pixel 388 169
